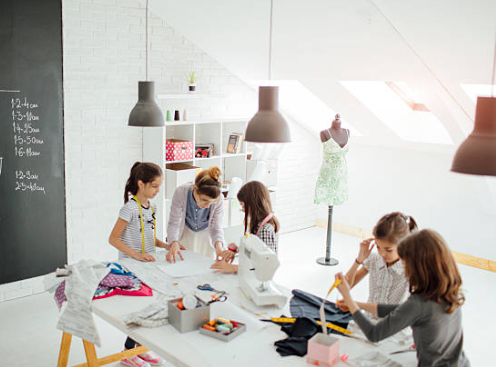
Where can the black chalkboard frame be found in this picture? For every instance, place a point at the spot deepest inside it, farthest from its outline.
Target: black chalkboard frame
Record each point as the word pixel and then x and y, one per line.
pixel 33 239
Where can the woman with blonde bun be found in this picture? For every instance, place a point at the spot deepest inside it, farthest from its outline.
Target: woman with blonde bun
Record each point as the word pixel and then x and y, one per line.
pixel 195 220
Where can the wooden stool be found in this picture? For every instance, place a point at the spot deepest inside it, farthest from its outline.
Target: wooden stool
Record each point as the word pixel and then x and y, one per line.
pixel 91 358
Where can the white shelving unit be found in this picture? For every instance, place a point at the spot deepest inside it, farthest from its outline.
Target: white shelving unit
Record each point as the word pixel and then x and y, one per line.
pixel 211 130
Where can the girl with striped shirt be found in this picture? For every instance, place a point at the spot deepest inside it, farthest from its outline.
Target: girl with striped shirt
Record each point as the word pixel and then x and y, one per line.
pixel 134 234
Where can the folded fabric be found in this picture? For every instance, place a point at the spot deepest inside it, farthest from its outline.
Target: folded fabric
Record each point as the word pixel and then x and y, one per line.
pixel 116 280
pixel 292 346
pixel 156 314
pixel 59 295
pixel 299 332
pixel 77 317
pixel 304 304
pixel 116 268
pixel 143 291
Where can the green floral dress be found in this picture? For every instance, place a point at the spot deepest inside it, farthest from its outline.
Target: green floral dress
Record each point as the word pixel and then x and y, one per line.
pixel 332 183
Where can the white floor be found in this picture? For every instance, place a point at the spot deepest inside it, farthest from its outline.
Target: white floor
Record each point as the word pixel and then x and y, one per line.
pixel 28 336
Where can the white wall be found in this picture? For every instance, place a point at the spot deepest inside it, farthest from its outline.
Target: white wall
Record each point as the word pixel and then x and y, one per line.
pixel 104 57
pixel 460 207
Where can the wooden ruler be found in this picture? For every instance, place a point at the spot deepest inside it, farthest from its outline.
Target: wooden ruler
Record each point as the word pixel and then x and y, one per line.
pixel 328 324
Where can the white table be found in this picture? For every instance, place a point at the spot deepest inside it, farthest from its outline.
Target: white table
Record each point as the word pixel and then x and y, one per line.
pixel 255 347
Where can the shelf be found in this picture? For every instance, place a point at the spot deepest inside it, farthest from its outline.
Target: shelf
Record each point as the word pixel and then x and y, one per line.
pixel 183 161
pixel 230 155
pixel 209 120
pixel 189 96
pixel 208 158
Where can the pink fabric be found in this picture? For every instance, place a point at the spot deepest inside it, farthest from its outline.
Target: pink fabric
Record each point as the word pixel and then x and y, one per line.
pixel 145 291
pixel 116 280
pixel 59 295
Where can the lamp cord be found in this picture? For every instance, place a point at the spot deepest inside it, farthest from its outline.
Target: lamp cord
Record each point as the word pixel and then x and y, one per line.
pixel 270 39
pixel 146 37
pixel 494 68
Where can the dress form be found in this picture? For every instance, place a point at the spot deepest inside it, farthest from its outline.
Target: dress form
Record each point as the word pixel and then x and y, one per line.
pixel 335 132
pixel 340 136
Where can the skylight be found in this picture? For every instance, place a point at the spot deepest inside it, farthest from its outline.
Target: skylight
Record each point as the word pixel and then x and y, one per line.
pixel 304 106
pixel 476 90
pixel 405 115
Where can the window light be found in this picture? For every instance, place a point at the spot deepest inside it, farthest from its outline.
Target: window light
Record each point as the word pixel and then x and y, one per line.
pixel 304 106
pixel 410 123
pixel 476 90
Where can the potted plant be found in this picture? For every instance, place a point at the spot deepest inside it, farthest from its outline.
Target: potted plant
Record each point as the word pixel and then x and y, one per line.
pixel 192 81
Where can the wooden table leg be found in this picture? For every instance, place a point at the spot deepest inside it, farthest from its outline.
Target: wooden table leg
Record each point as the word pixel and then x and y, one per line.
pixel 89 350
pixel 65 347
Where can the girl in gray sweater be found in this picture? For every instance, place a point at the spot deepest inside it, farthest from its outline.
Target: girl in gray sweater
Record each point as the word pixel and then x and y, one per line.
pixel 433 308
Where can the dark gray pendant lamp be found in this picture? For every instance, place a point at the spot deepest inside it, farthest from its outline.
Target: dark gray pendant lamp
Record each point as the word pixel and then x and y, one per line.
pixel 146 113
pixel 268 125
pixel 477 154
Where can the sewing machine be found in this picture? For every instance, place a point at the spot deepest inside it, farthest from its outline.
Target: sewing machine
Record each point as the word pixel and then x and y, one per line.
pixel 257 266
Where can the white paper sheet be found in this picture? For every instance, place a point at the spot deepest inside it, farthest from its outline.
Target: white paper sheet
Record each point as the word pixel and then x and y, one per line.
pixel 193 264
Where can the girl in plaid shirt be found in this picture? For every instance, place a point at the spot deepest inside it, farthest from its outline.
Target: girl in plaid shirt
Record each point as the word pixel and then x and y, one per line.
pixel 259 220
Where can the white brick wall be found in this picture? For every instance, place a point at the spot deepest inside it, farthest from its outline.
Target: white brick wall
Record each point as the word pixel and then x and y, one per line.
pixel 299 164
pixel 104 58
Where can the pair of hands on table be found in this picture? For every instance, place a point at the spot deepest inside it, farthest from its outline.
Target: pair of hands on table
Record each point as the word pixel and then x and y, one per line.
pixel 223 263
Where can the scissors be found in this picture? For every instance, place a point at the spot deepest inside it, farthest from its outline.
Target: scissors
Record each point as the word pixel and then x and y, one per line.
pixel 207 287
pixel 221 298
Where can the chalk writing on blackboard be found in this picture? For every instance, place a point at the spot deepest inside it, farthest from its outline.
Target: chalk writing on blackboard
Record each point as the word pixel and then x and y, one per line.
pixel 27 137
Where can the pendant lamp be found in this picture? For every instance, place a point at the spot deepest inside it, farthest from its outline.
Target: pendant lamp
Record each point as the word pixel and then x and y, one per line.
pixel 146 113
pixel 268 125
pixel 477 154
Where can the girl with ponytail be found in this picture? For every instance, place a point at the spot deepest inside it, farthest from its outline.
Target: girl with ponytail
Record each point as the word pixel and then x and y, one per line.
pixel 134 234
pixel 195 220
pixel 388 283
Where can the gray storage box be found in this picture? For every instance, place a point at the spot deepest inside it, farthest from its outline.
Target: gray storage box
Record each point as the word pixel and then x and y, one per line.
pixel 233 334
pixel 187 320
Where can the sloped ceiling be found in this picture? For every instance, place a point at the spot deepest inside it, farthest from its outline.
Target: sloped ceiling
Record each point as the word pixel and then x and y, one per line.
pixel 432 45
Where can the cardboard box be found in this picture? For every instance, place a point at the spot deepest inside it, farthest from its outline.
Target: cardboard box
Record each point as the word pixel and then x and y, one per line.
pixel 177 174
pixel 323 350
pixel 187 320
pixel 178 150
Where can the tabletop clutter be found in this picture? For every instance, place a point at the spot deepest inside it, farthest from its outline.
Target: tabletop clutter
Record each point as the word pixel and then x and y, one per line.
pixel 189 309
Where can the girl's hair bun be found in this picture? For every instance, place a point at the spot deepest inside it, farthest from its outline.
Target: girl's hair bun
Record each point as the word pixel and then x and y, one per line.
pixel 214 172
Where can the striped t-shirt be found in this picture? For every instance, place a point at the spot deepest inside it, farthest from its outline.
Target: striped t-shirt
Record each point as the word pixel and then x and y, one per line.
pixel 132 233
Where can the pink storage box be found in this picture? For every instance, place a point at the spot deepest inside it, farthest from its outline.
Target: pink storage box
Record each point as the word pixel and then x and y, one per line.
pixel 178 150
pixel 323 350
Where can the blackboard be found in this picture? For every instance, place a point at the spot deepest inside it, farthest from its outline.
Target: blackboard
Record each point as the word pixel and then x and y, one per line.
pixel 32 184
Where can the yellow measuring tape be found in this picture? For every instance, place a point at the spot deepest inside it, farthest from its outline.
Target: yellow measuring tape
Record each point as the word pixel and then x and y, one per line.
pixel 143 225
pixel 336 283
pixel 328 324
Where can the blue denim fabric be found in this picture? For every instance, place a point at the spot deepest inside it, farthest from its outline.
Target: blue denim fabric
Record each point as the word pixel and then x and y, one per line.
pixel 304 304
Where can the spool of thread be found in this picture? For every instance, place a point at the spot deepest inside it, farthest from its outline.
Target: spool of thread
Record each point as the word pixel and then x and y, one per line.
pixel 168 116
pixel 184 115
pixel 189 302
pixel 176 115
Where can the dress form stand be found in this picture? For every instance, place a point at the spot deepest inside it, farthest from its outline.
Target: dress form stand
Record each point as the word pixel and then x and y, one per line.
pixel 340 136
pixel 328 260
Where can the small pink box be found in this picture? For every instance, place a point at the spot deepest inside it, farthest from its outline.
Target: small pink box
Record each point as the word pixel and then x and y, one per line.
pixel 178 150
pixel 323 350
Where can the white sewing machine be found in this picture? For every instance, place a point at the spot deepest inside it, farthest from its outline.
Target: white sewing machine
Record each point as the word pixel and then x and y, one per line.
pixel 257 266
